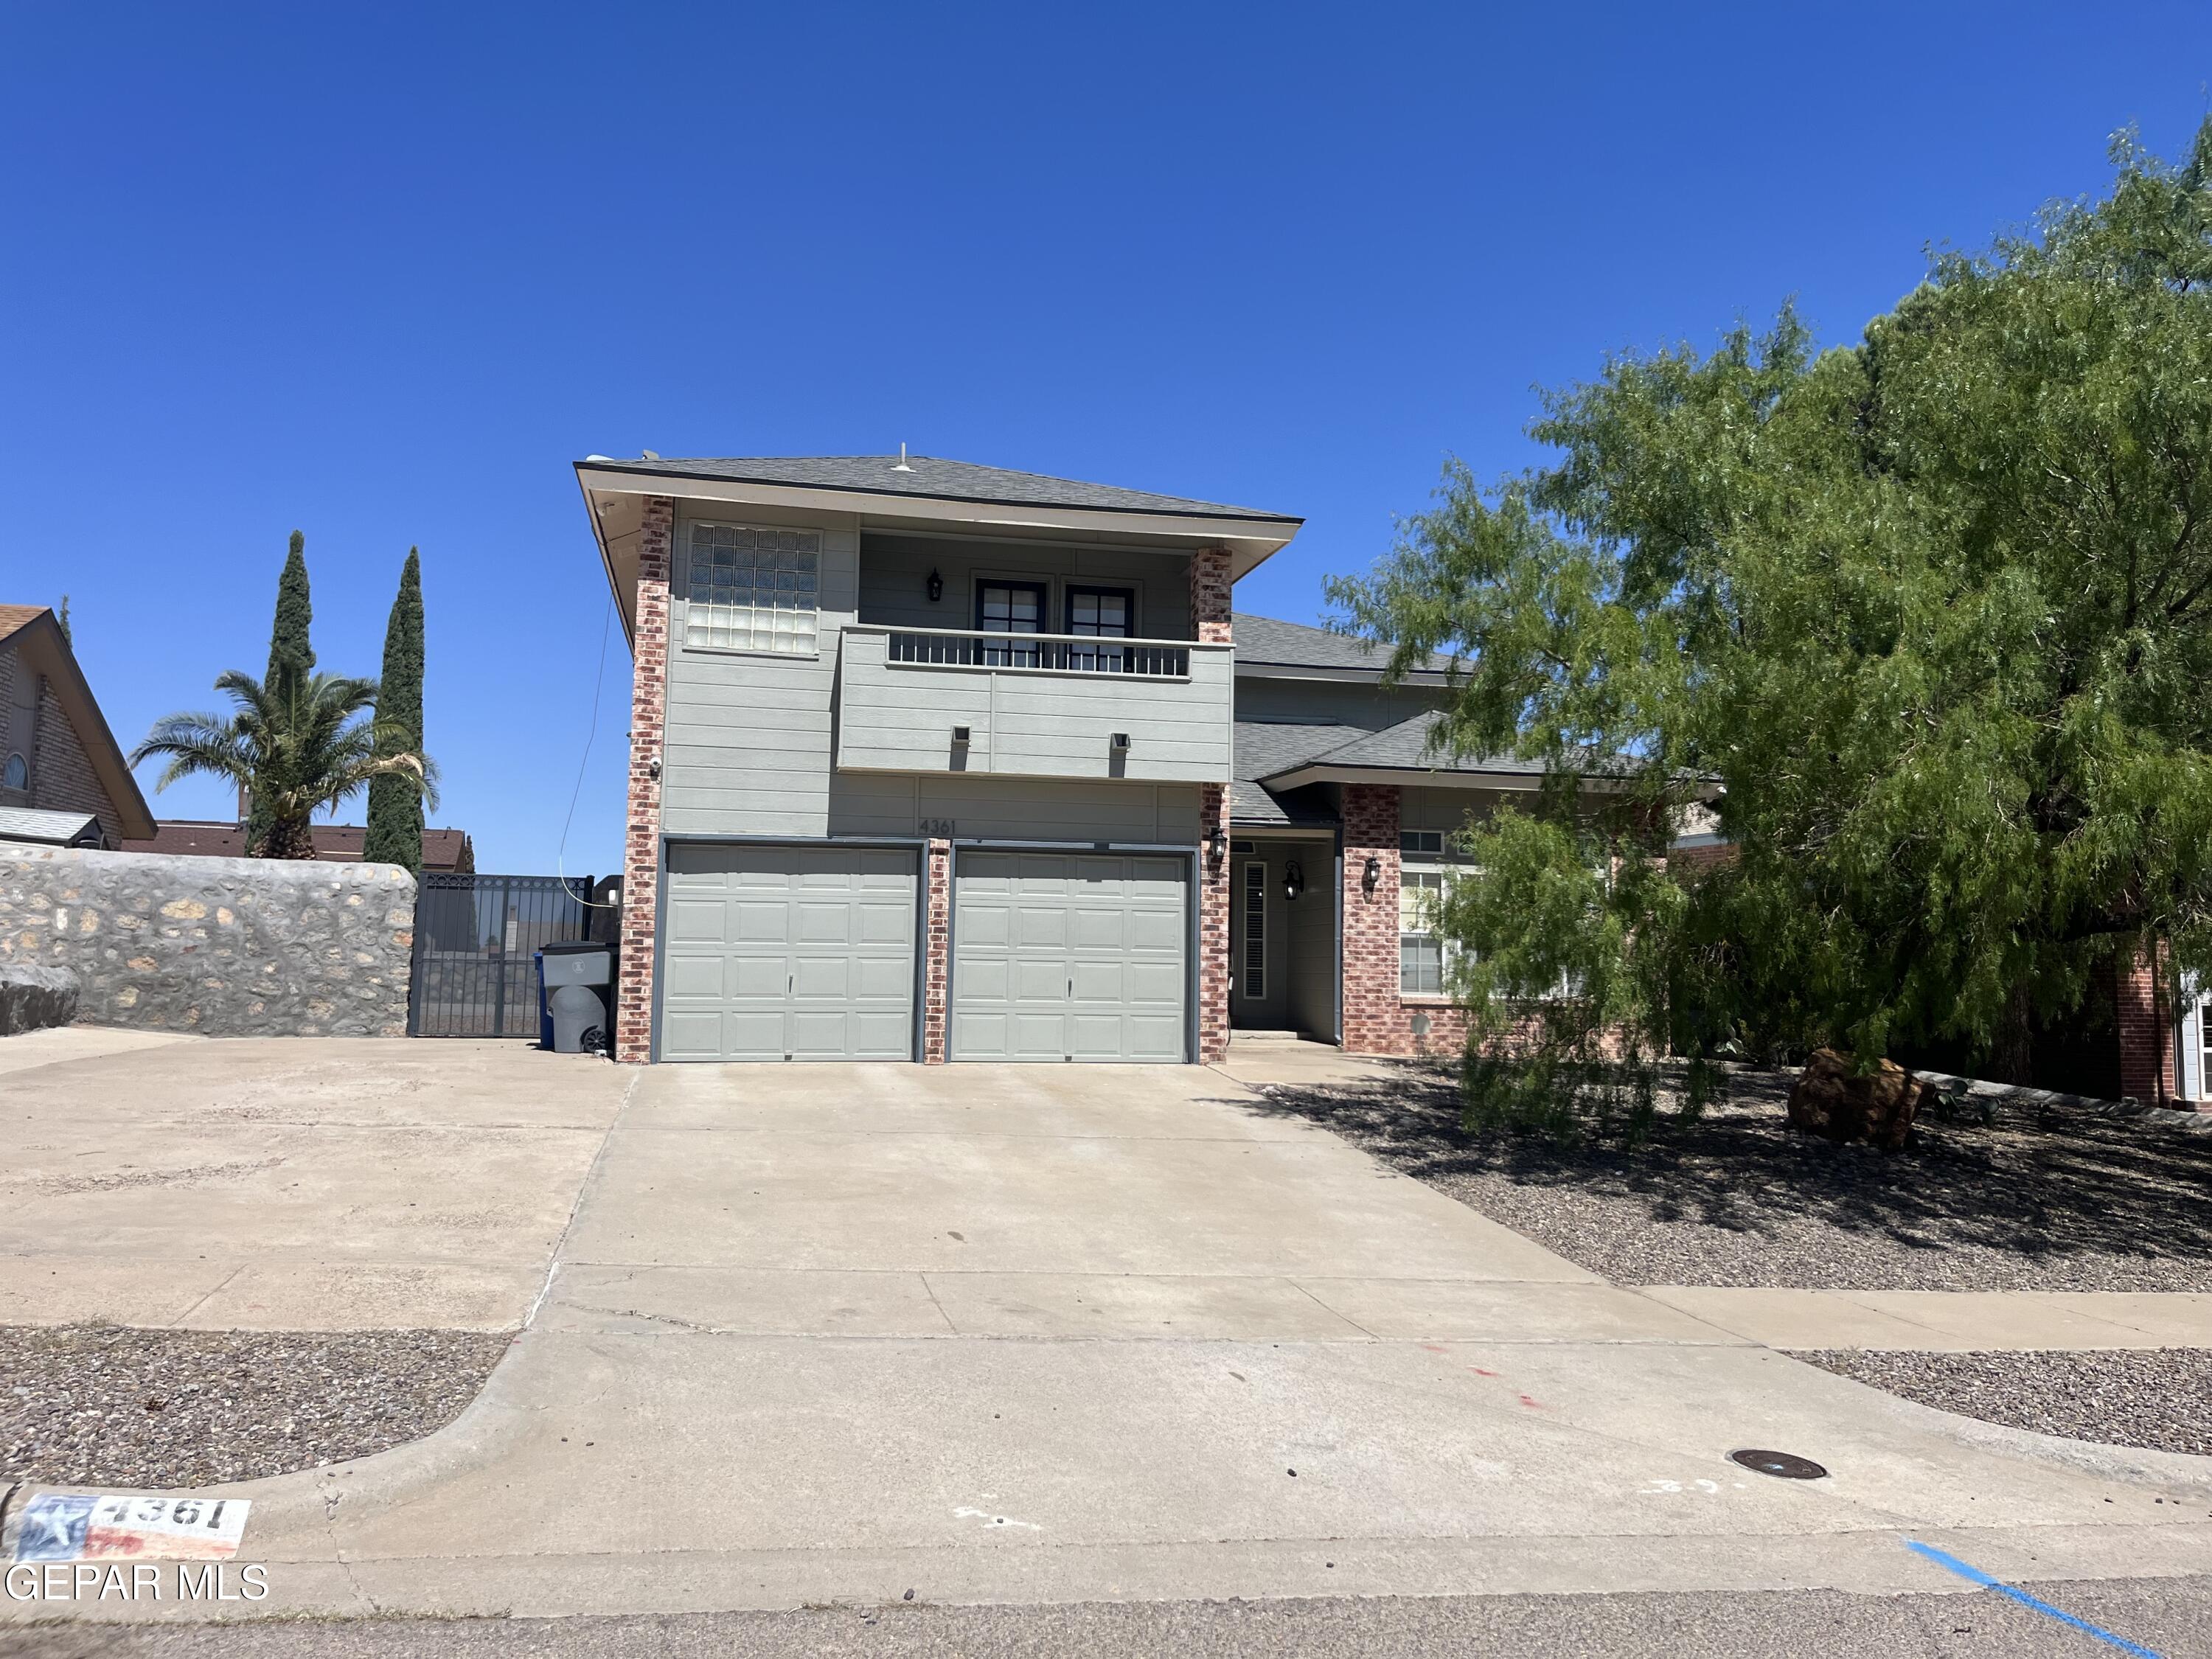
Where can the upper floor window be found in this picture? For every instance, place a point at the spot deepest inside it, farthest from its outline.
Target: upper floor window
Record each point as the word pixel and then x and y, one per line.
pixel 1420 842
pixel 15 775
pixel 752 588
pixel 1010 608
pixel 1102 613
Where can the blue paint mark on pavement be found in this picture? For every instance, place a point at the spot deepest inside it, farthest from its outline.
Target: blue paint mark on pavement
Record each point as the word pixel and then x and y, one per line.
pixel 1976 1576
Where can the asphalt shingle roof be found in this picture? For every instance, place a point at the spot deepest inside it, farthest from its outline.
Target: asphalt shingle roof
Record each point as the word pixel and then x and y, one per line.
pixel 1297 645
pixel 1404 746
pixel 932 476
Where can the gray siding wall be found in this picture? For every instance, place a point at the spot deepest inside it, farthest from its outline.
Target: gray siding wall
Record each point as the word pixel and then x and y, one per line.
pixel 898 717
pixel 1318 702
pixel 749 735
pixel 895 573
pixel 1013 808
pixel 1449 809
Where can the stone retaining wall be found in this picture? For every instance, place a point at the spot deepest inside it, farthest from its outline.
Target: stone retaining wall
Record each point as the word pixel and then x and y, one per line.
pixel 227 947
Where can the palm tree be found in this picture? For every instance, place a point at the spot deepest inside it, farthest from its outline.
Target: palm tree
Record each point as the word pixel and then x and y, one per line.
pixel 294 745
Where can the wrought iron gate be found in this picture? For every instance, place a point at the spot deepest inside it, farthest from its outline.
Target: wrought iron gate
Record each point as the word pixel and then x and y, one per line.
pixel 474 937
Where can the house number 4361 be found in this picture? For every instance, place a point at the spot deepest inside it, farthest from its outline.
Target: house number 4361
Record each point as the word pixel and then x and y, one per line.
pixel 941 828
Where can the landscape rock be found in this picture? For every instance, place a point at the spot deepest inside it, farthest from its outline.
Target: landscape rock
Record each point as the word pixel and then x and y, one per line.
pixel 34 998
pixel 1878 1108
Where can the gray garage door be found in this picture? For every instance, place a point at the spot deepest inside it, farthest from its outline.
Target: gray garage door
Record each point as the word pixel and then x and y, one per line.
pixel 1068 956
pixel 789 953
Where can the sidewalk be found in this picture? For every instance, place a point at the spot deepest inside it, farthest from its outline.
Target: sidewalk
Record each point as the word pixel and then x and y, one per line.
pixel 1949 1321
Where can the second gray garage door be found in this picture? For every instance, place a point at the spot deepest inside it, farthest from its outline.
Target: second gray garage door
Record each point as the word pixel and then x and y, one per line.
pixel 1069 956
pixel 789 953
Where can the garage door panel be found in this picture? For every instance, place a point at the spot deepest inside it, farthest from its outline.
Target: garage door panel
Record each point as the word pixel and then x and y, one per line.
pixel 1085 960
pixel 692 977
pixel 748 1035
pixel 1156 931
pixel 1155 1037
pixel 1151 985
pixel 811 955
pixel 1098 981
pixel 1040 925
pixel 1039 1037
pixel 978 979
pixel 1095 927
pixel 697 919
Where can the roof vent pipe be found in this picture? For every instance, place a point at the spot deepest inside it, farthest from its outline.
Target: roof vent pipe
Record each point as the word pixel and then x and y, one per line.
pixel 901 466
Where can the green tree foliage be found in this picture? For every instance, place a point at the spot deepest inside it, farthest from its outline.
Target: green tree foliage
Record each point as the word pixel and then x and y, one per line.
pixel 1934 615
pixel 298 747
pixel 395 807
pixel 291 652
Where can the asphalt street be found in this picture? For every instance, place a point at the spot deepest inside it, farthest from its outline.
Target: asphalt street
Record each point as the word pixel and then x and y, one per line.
pixel 2171 1617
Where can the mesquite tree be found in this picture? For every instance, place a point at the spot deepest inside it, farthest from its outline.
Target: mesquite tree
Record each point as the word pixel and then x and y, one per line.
pixel 1928 618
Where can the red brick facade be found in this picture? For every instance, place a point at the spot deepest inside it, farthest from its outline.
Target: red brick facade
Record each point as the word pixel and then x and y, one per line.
pixel 641 850
pixel 936 987
pixel 2146 1023
pixel 1210 614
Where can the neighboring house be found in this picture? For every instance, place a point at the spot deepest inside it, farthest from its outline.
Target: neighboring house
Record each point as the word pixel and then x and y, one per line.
pixel 444 851
pixel 59 762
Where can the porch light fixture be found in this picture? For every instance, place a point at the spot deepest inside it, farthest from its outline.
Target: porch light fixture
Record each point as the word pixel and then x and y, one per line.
pixel 1217 846
pixel 936 586
pixel 1369 875
pixel 1294 880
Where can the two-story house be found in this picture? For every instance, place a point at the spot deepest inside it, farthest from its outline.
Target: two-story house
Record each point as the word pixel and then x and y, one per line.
pixel 933 761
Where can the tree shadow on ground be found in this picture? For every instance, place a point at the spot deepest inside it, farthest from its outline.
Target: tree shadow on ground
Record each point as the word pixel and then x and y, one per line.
pixel 2059 1200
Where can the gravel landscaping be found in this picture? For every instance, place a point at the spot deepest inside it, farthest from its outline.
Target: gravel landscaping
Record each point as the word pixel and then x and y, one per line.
pixel 2054 1200
pixel 116 1406
pixel 2157 1398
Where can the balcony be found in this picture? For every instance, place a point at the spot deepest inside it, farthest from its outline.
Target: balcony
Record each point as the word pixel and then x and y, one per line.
pixel 1034 705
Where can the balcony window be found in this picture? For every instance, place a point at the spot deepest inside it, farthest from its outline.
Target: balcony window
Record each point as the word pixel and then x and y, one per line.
pixel 752 588
pixel 1102 613
pixel 1010 608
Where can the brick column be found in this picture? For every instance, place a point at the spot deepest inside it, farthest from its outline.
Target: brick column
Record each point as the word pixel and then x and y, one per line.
pixel 2146 1032
pixel 1373 1018
pixel 642 845
pixel 937 967
pixel 1210 614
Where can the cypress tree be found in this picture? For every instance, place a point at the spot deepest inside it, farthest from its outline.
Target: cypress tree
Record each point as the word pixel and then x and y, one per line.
pixel 395 806
pixel 291 656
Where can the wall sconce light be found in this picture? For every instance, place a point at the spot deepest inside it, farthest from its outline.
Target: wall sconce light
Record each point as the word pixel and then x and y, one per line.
pixel 1371 874
pixel 1217 846
pixel 1294 880
pixel 936 586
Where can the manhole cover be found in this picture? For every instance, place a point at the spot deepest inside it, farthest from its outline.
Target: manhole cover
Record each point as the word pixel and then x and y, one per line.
pixel 1784 1466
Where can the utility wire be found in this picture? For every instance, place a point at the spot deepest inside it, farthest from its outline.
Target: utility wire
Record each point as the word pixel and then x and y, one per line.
pixel 598 680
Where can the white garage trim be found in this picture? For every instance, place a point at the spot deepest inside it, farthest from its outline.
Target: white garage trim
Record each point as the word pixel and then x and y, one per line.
pixel 1185 862
pixel 917 848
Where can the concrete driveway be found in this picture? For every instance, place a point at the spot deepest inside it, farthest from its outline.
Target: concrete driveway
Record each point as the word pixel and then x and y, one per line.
pixel 832 1334
pixel 325 1184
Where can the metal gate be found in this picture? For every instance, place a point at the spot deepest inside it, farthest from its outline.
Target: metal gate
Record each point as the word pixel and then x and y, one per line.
pixel 474 937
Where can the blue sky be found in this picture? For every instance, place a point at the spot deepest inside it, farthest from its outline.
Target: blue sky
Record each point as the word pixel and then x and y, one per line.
pixel 382 273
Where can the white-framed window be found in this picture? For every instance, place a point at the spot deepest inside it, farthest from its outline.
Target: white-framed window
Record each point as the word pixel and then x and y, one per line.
pixel 1420 948
pixel 1253 982
pixel 752 588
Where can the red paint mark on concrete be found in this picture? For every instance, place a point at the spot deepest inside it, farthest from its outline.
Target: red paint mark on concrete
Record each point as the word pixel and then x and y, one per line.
pixel 1533 1405
pixel 1479 1371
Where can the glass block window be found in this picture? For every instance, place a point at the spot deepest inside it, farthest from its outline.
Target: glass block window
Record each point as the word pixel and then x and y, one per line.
pixel 752 589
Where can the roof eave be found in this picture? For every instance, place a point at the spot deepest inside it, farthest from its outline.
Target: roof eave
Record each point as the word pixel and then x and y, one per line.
pixel 1295 671
pixel 1249 539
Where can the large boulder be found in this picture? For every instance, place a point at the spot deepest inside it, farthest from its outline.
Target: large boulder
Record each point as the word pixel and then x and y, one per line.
pixel 1878 1108
pixel 33 997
